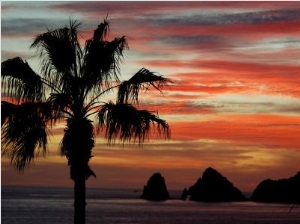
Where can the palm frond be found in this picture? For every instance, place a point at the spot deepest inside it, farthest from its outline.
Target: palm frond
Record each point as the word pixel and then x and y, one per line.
pixel 24 131
pixel 60 104
pixel 59 51
pixel 126 122
pixel 114 54
pixel 101 33
pixel 102 57
pixel 7 110
pixel 20 82
pixel 142 80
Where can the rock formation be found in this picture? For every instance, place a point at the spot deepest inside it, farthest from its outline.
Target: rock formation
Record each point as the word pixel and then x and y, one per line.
pixel 213 187
pixel 281 191
pixel 156 189
pixel 184 194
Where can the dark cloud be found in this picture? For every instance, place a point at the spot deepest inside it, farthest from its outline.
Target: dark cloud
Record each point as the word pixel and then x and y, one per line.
pixel 191 40
pixel 156 7
pixel 126 7
pixel 226 19
pixel 265 16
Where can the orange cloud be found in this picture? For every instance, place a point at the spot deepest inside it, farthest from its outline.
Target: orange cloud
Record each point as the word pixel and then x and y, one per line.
pixel 217 76
pixel 274 131
pixel 234 103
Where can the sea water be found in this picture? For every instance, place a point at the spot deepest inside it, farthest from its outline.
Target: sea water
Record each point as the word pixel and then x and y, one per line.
pixel 43 205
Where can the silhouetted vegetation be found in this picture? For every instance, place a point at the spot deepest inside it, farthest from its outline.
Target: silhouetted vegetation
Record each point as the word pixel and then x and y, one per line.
pixel 69 87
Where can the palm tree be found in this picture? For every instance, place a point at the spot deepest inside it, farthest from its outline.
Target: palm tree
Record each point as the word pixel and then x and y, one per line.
pixel 71 82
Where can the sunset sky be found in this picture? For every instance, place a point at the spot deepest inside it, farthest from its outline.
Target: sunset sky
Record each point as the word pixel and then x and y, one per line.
pixel 234 104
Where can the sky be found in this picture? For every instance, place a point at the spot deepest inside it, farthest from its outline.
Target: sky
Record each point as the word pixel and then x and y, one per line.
pixel 234 103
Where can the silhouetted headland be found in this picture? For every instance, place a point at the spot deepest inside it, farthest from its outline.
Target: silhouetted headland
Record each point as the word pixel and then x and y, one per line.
pixel 213 187
pixel 278 191
pixel 156 189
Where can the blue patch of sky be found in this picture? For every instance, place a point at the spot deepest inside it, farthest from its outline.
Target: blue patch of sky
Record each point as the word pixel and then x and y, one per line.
pixel 13 11
pixel 16 47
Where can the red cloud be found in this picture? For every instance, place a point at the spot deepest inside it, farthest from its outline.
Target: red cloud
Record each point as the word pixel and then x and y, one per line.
pixel 275 131
pixel 233 76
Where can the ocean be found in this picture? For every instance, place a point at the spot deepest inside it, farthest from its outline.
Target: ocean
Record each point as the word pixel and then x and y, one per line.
pixel 45 205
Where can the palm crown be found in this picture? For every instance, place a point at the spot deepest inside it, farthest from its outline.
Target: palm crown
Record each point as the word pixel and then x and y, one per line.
pixel 71 81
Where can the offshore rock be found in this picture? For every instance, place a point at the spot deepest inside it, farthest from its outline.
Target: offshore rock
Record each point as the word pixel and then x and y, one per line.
pixel 156 189
pixel 213 187
pixel 278 191
pixel 184 194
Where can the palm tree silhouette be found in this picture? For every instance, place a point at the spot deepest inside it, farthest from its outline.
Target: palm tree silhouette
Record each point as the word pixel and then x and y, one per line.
pixel 71 82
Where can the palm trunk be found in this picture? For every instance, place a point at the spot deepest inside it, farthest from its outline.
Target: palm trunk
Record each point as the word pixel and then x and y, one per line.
pixel 78 142
pixel 79 196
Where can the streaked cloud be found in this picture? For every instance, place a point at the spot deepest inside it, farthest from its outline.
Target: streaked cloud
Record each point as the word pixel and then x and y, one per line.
pixel 234 103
